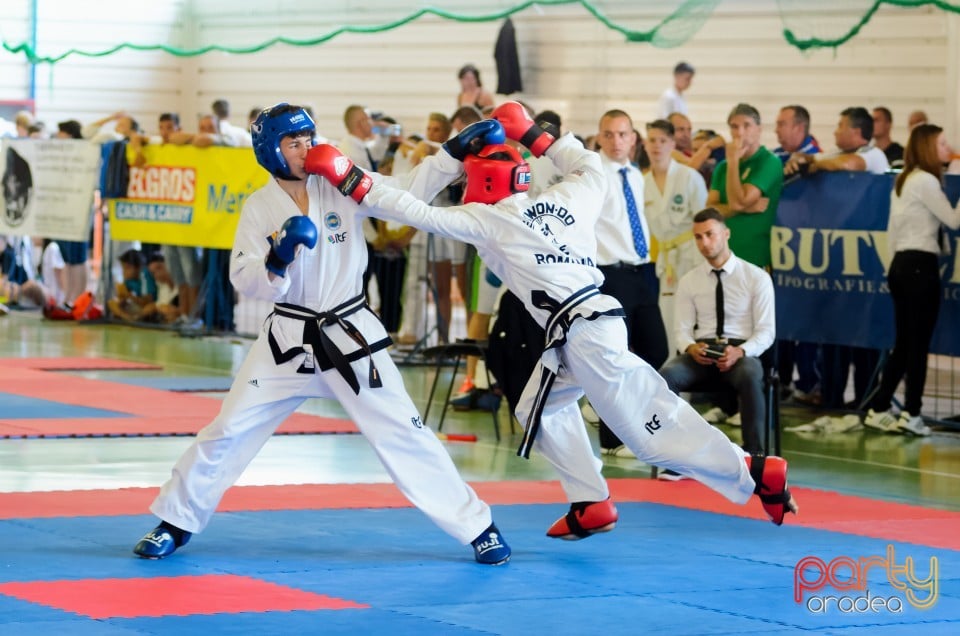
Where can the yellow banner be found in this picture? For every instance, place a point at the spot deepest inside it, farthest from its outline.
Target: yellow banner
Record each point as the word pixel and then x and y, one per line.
pixel 186 196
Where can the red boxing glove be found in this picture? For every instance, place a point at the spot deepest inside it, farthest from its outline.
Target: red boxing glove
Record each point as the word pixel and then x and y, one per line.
pixel 519 127
pixel 340 171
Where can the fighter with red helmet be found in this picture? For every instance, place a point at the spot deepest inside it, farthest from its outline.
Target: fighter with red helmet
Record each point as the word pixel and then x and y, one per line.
pixel 300 245
pixel 544 250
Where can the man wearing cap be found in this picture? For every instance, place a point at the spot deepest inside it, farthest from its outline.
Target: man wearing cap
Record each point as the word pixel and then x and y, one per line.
pixel 672 100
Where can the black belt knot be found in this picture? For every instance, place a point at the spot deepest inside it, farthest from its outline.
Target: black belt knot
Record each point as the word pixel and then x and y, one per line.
pixel 561 316
pixel 324 348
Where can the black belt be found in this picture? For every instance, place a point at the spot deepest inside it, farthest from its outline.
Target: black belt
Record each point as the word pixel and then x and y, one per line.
pixel 561 317
pixel 626 267
pixel 325 351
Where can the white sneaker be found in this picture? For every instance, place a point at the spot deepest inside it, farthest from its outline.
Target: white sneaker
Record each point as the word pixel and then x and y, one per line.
pixel 913 425
pixel 620 451
pixel 845 424
pixel 818 425
pixel 670 475
pixel 883 421
pixel 715 415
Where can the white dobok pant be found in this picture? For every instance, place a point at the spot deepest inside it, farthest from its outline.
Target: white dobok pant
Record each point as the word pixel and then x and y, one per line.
pixel 264 394
pixel 628 394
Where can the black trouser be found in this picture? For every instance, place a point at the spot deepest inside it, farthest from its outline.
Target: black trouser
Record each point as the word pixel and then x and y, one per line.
pixel 836 369
pixel 638 290
pixel 683 373
pixel 916 291
pixel 389 269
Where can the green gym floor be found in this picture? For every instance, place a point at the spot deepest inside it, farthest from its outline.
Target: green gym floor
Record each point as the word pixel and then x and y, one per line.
pixel 924 471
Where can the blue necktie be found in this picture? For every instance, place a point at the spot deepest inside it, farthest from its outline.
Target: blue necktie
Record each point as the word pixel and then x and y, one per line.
pixel 639 240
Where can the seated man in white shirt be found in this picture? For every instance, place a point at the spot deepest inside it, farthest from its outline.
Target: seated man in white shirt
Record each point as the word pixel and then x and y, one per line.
pixel 722 348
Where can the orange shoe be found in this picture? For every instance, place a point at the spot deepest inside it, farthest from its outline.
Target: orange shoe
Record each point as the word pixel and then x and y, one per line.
pixel 770 475
pixel 467 385
pixel 584 519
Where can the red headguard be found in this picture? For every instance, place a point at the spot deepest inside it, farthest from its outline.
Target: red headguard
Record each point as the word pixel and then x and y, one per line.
pixel 494 174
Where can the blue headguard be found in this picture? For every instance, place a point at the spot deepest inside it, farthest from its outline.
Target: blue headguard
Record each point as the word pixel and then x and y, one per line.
pixel 272 125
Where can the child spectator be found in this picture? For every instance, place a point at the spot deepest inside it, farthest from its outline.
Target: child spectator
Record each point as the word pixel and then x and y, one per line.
pixel 166 309
pixel 136 292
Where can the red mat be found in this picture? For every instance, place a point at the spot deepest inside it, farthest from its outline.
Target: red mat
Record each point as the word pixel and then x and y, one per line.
pixel 819 509
pixel 152 411
pixel 74 364
pixel 182 596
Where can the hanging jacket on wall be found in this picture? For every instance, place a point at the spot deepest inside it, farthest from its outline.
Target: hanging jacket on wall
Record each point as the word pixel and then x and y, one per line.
pixel 114 170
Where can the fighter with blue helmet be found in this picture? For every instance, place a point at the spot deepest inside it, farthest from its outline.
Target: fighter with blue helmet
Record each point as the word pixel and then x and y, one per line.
pixel 300 246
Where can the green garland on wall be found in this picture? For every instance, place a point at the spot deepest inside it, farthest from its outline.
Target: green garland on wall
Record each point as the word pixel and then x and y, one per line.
pixel 673 30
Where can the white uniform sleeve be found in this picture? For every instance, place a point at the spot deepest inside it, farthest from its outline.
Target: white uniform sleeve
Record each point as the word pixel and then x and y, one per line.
pixel 428 178
pixel 932 196
pixel 461 222
pixel 250 246
pixel 684 314
pixel 764 318
pixel 582 172
pixel 697 196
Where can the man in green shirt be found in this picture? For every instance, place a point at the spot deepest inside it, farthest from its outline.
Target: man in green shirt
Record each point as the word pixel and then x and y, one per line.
pixel 746 187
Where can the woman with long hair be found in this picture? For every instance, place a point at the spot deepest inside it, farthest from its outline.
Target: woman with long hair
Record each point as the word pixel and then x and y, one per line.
pixel 918 207
pixel 472 92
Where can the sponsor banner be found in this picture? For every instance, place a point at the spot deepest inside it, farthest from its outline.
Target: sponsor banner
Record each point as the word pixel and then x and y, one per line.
pixel 830 259
pixel 48 187
pixel 186 196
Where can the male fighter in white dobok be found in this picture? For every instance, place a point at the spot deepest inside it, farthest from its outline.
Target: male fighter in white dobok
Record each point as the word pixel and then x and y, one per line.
pixel 321 340
pixel 544 250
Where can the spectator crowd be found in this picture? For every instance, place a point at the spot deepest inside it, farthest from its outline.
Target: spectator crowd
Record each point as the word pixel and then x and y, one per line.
pixel 695 286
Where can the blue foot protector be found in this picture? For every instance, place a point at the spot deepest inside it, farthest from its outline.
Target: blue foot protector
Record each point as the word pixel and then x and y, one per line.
pixel 490 548
pixel 160 542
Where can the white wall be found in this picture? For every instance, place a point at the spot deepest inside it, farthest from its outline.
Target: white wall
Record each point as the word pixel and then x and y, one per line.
pixel 570 62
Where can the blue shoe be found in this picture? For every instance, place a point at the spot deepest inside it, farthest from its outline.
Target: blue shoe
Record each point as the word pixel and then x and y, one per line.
pixel 488 401
pixel 158 543
pixel 465 402
pixel 490 548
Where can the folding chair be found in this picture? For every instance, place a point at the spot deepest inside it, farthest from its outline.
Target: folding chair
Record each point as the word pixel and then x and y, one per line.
pixel 457 351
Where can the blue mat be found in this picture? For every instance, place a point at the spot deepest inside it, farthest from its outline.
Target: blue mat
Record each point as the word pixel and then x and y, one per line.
pixel 662 571
pixel 18 407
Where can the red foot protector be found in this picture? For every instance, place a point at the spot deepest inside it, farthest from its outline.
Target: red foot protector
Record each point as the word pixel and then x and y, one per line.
pixel 770 475
pixel 584 519
pixel 171 596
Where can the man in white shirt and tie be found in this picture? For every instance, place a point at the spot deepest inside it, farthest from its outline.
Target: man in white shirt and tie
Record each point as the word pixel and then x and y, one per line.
pixel 623 253
pixel 724 321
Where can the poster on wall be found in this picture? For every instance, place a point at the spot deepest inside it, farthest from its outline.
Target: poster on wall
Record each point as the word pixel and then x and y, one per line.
pixel 183 195
pixel 48 187
pixel 830 259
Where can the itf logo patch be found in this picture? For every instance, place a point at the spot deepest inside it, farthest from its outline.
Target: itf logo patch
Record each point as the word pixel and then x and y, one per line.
pixel 332 221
